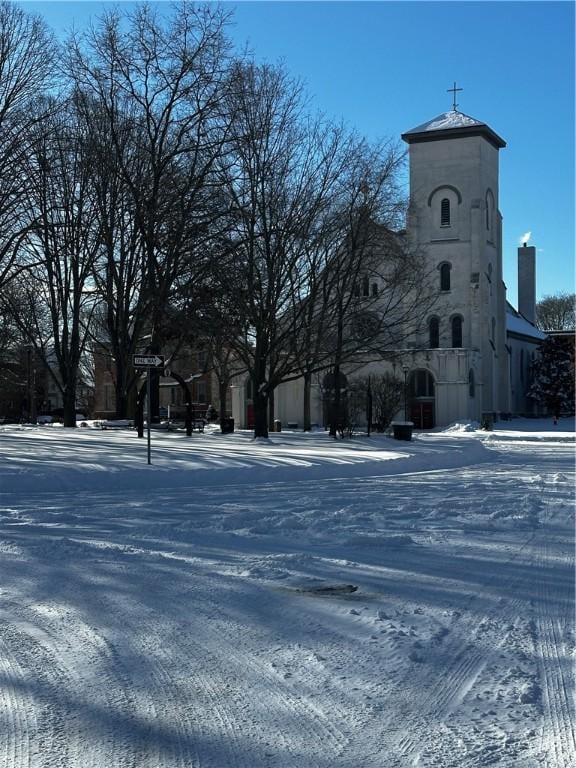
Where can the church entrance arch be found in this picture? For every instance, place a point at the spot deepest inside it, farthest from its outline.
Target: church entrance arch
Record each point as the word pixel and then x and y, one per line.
pixel 422 398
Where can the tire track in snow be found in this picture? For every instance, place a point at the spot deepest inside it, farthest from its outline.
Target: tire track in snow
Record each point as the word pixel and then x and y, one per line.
pixel 76 691
pixel 229 694
pixel 226 692
pixel 18 722
pixel 555 612
pixel 558 739
pixel 36 730
pixel 150 721
pixel 463 659
pixel 91 711
pixel 355 703
pixel 286 703
pixel 559 746
pixel 189 714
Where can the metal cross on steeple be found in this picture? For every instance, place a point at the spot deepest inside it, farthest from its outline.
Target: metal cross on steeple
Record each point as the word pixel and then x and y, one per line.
pixel 453 90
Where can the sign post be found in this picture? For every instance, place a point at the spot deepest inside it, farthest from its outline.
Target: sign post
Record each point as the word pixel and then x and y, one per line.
pixel 149 362
pixel 149 414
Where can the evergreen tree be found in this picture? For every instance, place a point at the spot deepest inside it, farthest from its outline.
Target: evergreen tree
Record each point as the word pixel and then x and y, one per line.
pixel 553 375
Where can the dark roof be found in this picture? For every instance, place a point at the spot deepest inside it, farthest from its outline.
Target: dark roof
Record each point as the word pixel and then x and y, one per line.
pixel 517 325
pixel 562 332
pixel 451 125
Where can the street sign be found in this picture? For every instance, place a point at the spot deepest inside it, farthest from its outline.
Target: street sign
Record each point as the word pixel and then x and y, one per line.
pixel 148 361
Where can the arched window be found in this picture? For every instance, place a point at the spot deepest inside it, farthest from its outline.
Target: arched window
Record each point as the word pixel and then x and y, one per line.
pixel 445 212
pixel 365 286
pixel 421 384
pixel 434 332
pixel 374 289
pixel 457 331
pixel 471 383
pixel 489 209
pixel 445 276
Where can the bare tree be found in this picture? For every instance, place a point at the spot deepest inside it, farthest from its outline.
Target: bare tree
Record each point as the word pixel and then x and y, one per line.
pixel 557 313
pixel 217 325
pixel 119 268
pixel 158 85
pixel 57 298
pixel 278 172
pixel 26 58
pixel 12 374
pixel 311 210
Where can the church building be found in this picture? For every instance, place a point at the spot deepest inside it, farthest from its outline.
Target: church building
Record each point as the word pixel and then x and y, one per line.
pixel 464 366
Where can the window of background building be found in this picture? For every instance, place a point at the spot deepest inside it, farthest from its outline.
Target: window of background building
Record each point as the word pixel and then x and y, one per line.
pixel 365 286
pixel 421 384
pixel 445 270
pixel 445 213
pixel 201 392
pixel 457 331
pixel 434 333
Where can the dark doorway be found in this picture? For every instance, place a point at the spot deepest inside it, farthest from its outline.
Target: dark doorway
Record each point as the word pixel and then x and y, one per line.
pixel 421 391
pixel 422 414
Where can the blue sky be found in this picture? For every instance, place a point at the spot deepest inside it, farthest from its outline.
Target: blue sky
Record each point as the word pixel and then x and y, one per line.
pixel 385 67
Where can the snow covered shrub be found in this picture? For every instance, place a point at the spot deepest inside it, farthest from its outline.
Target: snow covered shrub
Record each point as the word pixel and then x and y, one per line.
pixel 387 394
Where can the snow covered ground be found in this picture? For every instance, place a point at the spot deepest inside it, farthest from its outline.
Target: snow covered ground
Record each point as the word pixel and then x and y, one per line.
pixel 195 613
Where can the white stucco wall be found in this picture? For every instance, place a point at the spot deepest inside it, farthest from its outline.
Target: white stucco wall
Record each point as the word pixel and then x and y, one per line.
pixel 464 170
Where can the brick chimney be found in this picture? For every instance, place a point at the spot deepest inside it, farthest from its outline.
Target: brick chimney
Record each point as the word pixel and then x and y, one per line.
pixel 527 282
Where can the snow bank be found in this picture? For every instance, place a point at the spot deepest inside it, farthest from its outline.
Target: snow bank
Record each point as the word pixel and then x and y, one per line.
pixel 462 426
pixel 82 460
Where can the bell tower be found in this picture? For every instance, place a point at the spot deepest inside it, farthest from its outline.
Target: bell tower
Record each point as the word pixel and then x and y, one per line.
pixel 454 219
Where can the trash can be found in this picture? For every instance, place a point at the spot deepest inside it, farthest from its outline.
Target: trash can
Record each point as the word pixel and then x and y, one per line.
pixel 402 430
pixel 277 425
pixel 488 421
pixel 227 425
